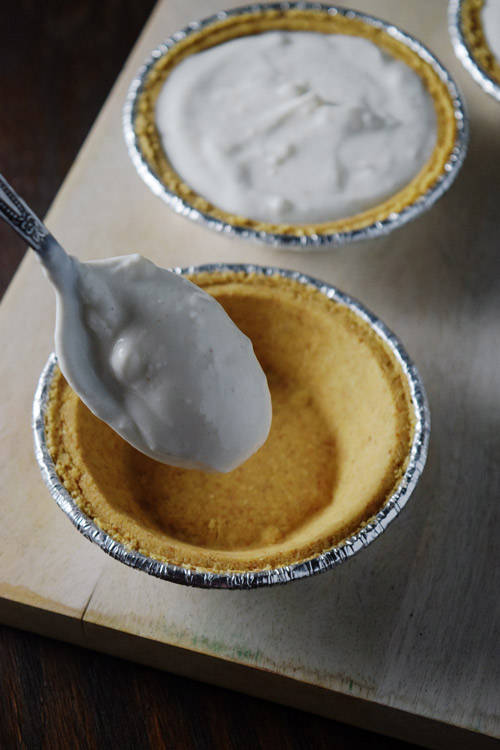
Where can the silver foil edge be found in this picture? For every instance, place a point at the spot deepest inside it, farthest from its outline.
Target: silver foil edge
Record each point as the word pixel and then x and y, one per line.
pixel 464 53
pixel 257 578
pixel 314 241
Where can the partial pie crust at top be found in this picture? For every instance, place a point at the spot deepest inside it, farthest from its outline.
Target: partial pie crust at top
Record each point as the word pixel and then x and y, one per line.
pixel 473 31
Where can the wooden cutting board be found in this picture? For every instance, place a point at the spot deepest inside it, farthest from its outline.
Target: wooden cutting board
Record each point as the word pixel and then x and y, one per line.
pixel 404 637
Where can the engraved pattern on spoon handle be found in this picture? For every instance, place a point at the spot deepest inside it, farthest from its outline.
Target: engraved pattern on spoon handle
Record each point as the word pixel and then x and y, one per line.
pixel 21 218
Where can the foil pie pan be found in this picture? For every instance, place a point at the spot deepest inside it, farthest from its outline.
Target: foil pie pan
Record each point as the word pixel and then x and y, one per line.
pixel 255 578
pixel 290 242
pixel 465 54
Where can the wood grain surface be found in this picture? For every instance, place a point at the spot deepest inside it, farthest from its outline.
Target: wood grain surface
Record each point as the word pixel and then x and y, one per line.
pixel 59 61
pixel 62 697
pixel 405 636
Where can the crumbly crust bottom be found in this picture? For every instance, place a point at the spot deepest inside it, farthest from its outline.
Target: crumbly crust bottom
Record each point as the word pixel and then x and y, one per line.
pixel 299 495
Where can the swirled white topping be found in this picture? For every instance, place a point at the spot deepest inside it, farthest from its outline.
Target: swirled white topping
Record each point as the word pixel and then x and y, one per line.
pixel 295 127
pixel 160 361
pixel 490 18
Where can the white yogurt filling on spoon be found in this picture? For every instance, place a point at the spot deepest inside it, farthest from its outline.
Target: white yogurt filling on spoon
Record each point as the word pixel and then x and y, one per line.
pixel 295 127
pixel 490 19
pixel 159 360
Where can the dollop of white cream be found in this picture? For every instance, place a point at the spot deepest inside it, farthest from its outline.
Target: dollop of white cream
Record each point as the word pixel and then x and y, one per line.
pixel 159 360
pixel 295 127
pixel 490 19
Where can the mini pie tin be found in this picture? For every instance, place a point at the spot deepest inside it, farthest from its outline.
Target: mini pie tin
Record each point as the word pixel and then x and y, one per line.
pixel 256 578
pixel 286 241
pixel 464 50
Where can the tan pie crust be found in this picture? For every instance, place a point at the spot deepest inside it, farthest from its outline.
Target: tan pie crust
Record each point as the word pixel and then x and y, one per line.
pixel 343 424
pixel 294 19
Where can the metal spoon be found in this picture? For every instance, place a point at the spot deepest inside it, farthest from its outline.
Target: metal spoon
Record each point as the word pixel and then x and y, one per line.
pixel 24 221
pixel 151 354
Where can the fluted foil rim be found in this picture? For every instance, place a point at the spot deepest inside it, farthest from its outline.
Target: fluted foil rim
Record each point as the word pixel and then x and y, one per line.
pixel 254 578
pixel 284 241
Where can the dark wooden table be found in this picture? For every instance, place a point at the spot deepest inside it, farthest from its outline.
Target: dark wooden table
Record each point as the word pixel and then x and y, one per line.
pixel 58 61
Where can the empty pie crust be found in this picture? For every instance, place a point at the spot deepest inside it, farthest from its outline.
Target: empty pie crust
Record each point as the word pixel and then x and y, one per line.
pixel 340 441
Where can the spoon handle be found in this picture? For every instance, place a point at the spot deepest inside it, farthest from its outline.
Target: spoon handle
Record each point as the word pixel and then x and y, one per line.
pixel 21 218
